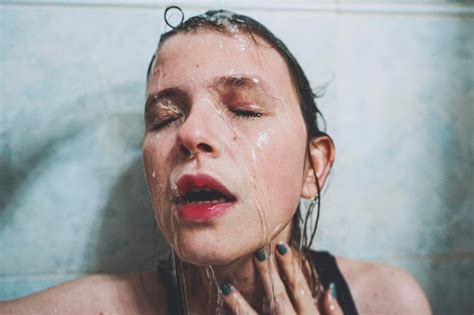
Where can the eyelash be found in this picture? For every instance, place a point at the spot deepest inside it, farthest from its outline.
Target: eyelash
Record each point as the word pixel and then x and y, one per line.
pixel 247 114
pixel 163 124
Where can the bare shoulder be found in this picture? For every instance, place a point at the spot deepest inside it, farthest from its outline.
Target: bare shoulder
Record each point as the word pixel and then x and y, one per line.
pixel 95 294
pixel 382 289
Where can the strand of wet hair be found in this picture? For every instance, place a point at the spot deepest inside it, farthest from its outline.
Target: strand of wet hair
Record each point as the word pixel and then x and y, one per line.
pixel 167 21
pixel 315 283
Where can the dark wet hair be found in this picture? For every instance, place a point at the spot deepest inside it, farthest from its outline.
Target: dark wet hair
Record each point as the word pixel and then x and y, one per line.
pixel 228 22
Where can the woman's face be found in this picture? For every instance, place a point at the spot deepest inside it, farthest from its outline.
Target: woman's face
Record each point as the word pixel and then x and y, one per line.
pixel 225 145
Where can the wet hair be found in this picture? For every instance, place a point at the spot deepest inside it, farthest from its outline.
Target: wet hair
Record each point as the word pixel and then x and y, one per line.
pixel 228 22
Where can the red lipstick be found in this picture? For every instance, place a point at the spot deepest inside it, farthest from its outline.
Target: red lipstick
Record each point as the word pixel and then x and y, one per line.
pixel 202 197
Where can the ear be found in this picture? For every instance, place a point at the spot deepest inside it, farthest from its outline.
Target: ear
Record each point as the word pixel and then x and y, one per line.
pixel 321 154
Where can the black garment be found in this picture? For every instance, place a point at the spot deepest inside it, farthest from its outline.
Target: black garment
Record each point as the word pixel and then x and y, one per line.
pixel 324 263
pixel 328 271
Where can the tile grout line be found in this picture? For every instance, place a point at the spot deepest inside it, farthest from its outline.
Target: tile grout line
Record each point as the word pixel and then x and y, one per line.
pixel 361 8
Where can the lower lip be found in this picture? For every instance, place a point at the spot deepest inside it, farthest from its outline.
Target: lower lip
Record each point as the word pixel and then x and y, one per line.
pixel 203 211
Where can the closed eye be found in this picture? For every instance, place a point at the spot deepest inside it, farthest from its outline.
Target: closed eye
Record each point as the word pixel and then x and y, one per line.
pixel 246 114
pixel 158 125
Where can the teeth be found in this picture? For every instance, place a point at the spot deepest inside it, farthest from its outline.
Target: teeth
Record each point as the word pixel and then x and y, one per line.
pixel 221 200
pixel 201 189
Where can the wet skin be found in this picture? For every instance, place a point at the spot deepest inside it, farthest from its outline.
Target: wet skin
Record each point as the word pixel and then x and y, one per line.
pixel 262 160
pixel 228 110
pixel 224 106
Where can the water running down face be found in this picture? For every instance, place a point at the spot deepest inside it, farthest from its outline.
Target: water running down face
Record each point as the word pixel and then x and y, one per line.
pixel 225 145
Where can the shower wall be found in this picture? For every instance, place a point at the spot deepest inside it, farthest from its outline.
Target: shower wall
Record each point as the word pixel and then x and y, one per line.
pixel 399 103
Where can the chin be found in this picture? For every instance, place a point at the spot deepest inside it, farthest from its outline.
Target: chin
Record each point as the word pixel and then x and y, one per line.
pixel 202 251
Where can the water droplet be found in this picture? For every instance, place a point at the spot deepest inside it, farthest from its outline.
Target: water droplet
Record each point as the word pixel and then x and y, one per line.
pixel 262 139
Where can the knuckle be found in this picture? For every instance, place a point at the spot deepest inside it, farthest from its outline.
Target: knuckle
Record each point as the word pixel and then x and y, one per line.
pixel 291 274
pixel 281 296
pixel 299 292
pixel 291 282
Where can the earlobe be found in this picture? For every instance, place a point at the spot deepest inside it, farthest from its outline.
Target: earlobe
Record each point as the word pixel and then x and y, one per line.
pixel 310 188
pixel 317 166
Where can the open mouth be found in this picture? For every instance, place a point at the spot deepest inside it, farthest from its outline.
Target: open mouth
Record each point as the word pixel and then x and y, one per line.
pixel 205 195
pixel 201 197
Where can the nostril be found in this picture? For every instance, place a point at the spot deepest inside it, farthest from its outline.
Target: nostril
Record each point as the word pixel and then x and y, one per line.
pixel 184 151
pixel 190 150
pixel 205 147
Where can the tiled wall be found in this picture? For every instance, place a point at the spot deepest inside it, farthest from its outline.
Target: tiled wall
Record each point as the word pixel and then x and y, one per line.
pixel 400 107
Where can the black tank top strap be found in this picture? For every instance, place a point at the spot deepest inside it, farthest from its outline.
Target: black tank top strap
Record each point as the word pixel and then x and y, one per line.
pixel 328 272
pixel 324 263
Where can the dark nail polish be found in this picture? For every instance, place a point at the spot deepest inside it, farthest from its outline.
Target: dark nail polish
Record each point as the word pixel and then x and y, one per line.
pixel 332 289
pixel 225 288
pixel 260 255
pixel 281 248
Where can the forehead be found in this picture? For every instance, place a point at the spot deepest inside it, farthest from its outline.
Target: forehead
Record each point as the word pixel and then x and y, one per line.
pixel 195 58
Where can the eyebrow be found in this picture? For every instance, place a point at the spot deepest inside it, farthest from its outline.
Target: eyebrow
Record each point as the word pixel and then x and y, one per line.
pixel 173 92
pixel 239 81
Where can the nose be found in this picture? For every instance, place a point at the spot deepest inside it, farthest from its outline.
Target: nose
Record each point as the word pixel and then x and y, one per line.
pixel 199 134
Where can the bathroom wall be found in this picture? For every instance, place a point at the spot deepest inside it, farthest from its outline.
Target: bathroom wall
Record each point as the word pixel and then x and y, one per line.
pixel 399 104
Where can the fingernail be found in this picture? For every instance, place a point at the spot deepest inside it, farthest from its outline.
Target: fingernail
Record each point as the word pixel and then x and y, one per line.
pixel 281 248
pixel 226 288
pixel 332 289
pixel 260 255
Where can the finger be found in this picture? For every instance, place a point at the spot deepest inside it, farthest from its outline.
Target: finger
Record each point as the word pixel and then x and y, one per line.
pixel 330 305
pixel 296 282
pixel 274 288
pixel 236 302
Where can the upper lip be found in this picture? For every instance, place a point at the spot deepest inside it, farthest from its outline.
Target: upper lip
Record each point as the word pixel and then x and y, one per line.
pixel 188 183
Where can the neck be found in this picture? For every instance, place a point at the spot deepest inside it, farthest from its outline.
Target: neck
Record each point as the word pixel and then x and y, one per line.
pixel 241 273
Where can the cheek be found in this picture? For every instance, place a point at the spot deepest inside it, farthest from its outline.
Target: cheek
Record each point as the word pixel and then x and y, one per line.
pixel 280 167
pixel 157 174
pixel 153 167
pixel 277 164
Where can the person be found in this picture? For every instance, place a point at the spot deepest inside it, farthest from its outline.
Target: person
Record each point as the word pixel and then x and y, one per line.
pixel 232 144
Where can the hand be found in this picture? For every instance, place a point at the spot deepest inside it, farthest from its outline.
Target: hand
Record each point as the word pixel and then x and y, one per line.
pixel 291 297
